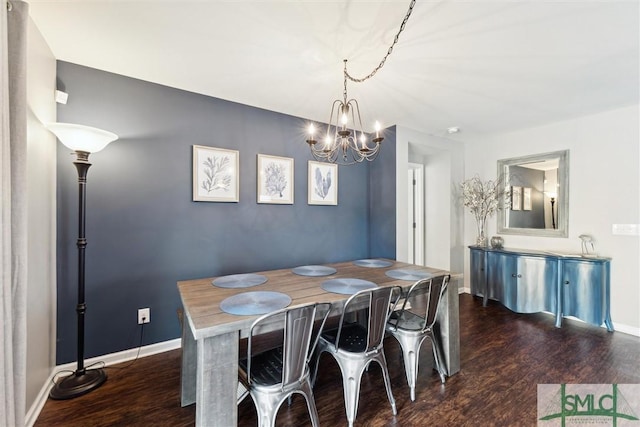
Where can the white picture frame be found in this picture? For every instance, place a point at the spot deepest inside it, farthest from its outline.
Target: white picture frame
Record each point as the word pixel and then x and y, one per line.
pixel 215 174
pixel 322 183
pixel 275 180
pixel 516 198
pixel 526 199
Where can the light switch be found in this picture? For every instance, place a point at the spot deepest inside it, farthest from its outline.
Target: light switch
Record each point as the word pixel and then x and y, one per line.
pixel 626 229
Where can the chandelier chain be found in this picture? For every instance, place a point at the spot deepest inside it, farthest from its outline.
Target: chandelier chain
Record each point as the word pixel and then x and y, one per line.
pixel 344 92
pixel 389 51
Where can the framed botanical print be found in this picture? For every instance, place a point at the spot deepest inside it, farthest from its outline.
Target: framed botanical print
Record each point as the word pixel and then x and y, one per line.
pixel 516 198
pixel 323 183
pixel 215 174
pixel 526 199
pixel 275 179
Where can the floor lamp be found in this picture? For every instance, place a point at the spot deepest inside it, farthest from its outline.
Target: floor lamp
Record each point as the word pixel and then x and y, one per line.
pixel 83 140
pixel 552 199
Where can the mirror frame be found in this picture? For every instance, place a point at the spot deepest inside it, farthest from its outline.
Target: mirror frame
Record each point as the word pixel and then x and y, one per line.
pixel 563 189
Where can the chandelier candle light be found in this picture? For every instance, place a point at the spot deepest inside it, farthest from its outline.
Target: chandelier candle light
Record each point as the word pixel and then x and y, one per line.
pixel 345 141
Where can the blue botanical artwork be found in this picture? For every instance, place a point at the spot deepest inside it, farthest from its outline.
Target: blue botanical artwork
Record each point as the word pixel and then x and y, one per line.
pixel 323 183
pixel 275 179
pixel 217 174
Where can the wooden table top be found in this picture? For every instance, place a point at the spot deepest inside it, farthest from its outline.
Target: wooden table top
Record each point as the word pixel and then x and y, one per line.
pixel 201 299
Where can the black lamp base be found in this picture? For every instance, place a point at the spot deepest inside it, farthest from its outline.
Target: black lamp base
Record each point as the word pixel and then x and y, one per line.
pixel 76 385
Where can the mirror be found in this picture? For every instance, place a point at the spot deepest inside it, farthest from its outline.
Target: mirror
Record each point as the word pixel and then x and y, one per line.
pixel 539 202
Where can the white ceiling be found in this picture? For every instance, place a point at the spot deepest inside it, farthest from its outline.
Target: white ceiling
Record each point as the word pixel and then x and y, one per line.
pixel 485 66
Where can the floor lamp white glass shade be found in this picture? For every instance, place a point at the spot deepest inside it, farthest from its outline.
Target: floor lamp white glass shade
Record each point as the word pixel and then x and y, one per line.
pixel 82 138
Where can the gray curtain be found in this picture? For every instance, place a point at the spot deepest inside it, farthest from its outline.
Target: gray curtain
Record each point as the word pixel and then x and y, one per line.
pixel 13 218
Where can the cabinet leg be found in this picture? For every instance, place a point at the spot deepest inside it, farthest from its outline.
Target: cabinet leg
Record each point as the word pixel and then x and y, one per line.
pixel 609 324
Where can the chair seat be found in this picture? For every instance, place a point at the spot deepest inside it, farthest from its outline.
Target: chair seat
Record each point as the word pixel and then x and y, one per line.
pixel 266 367
pixel 407 321
pixel 353 338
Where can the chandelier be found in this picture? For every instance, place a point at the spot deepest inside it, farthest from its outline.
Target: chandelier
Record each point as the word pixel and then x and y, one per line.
pixel 345 141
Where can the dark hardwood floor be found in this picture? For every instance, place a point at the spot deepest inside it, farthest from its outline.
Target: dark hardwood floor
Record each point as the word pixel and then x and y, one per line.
pixel 504 356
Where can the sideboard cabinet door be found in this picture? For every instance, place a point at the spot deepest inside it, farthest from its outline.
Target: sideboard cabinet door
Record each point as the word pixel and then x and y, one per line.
pixel 478 274
pixel 585 291
pixel 498 267
pixel 537 285
pixel 524 284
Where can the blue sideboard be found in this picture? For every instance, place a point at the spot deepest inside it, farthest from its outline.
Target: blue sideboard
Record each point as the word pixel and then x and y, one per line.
pixel 528 281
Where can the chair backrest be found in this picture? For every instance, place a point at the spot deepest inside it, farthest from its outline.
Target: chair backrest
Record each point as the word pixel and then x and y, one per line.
pixel 424 297
pixel 299 333
pixel 373 308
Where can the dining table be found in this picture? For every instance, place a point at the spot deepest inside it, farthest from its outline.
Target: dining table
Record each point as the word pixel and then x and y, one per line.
pixel 211 333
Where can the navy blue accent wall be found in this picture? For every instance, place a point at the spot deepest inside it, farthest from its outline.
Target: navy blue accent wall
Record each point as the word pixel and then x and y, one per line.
pixel 382 199
pixel 144 231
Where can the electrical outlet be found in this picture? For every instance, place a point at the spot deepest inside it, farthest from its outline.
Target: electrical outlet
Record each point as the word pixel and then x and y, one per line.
pixel 144 315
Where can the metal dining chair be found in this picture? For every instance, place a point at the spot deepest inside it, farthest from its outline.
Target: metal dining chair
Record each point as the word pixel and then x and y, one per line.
pixel 354 345
pixel 274 375
pixel 414 322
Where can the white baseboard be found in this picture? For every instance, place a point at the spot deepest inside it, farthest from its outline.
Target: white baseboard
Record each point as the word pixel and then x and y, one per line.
pixel 108 359
pixel 618 327
pixel 626 329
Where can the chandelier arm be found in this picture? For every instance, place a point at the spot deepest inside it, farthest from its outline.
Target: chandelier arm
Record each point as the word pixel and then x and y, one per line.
pixel 389 51
pixel 352 152
pixel 337 113
pixel 328 146
pixel 354 114
pixel 365 151
pixel 333 108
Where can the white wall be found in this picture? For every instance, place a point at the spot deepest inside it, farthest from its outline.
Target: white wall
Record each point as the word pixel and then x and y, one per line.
pixel 41 199
pixel 604 182
pixel 438 208
pixel 443 160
